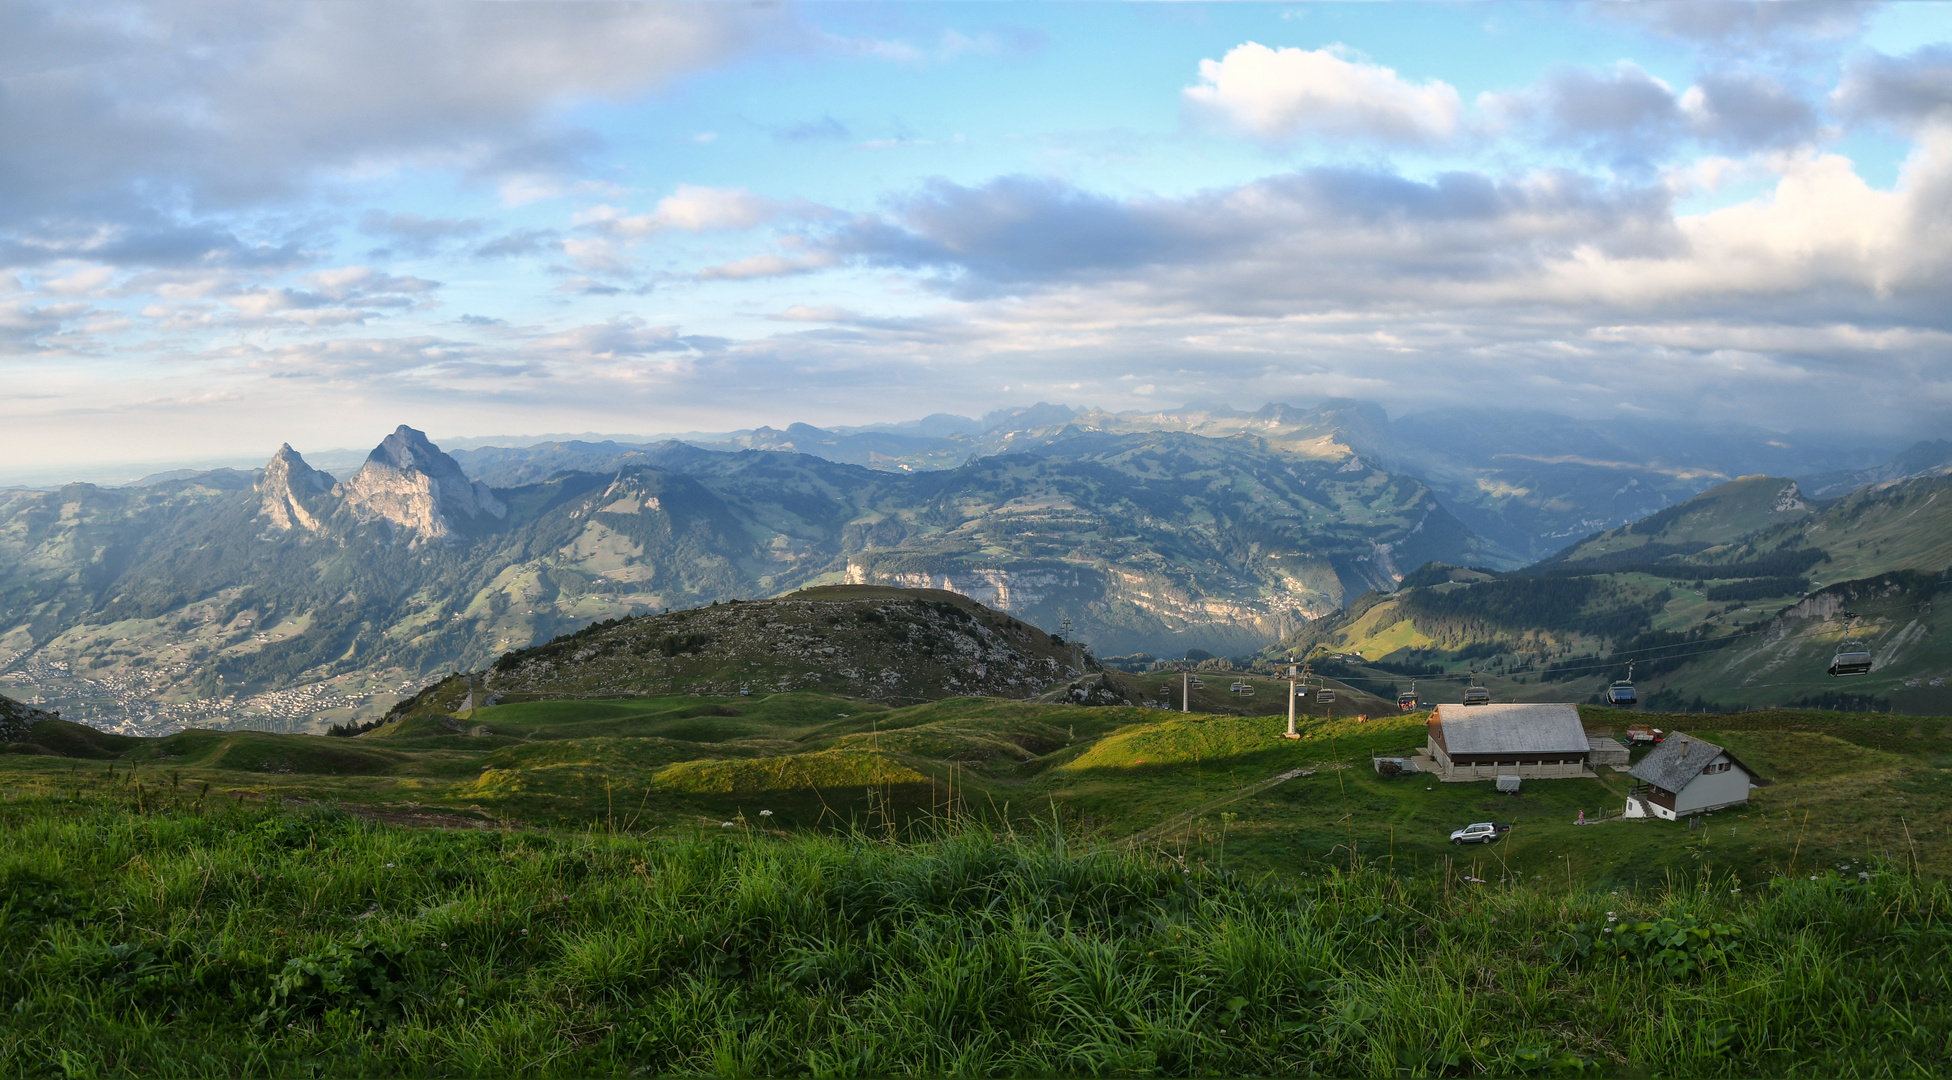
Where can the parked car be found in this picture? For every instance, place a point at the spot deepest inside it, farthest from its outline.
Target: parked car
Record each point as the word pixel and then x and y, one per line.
pixel 1483 832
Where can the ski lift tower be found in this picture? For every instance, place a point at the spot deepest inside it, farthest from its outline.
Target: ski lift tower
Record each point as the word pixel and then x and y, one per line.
pixel 1293 673
pixel 1067 631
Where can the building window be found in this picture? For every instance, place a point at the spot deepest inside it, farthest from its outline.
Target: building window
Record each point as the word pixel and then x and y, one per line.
pixel 1717 767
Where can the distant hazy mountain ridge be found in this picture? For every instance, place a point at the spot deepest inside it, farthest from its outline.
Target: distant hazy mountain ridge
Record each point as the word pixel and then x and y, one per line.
pixel 1922 459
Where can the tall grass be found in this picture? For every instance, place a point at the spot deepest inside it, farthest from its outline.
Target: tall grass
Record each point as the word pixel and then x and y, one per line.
pixel 227 940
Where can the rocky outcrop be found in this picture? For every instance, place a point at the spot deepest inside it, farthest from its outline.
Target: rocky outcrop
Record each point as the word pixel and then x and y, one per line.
pixel 293 495
pixel 408 482
pixel 17 720
pixel 1100 690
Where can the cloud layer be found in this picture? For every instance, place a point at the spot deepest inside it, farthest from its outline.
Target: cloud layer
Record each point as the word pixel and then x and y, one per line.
pixel 211 209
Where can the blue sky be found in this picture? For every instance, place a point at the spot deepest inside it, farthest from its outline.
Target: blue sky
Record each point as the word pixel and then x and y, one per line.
pixel 224 226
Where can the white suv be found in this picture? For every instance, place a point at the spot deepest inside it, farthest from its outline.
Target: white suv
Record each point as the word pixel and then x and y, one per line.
pixel 1483 832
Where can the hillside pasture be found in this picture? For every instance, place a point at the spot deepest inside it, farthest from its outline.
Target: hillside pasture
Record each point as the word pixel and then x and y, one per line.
pixel 1838 788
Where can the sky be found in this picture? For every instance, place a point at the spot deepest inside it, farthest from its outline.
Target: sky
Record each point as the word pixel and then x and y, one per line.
pixel 229 225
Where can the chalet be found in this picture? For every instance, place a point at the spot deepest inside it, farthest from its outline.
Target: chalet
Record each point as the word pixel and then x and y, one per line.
pixel 1484 742
pixel 1685 775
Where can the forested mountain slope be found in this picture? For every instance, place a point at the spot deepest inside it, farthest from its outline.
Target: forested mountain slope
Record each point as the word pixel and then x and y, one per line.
pixel 1733 599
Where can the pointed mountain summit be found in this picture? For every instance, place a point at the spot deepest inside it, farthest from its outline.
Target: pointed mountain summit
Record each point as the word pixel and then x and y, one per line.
pixel 293 494
pixel 411 483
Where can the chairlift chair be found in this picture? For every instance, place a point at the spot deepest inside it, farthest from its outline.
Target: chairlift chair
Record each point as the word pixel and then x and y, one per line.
pixel 1622 692
pixel 1407 700
pixel 1475 694
pixel 1243 689
pixel 1324 696
pixel 1196 684
pixel 1853 657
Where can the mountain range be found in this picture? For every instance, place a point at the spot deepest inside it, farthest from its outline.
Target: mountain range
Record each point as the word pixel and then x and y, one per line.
pixel 1528 483
pixel 285 597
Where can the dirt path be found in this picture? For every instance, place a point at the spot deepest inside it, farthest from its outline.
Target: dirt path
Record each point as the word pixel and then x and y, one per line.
pixel 1181 820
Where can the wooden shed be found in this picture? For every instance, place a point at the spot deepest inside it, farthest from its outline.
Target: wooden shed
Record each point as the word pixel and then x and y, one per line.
pixel 1685 775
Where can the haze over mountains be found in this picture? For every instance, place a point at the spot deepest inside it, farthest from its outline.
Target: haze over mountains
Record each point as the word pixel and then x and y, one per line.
pixel 288 597
pixel 1527 482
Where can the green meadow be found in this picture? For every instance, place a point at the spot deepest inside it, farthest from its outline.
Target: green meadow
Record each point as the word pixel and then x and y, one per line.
pixel 187 934
pixel 1838 789
pixel 803 884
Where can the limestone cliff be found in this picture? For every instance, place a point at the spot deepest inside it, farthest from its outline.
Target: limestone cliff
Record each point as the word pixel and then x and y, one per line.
pixel 293 494
pixel 409 482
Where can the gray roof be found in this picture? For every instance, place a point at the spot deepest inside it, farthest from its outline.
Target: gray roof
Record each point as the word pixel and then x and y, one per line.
pixel 1680 758
pixel 1512 729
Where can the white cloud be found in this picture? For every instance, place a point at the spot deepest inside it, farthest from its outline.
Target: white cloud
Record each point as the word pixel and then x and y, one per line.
pixel 622 337
pixel 816 314
pixel 351 282
pixel 1279 93
pixel 690 208
pixel 764 266
pixel 596 254
pixel 88 281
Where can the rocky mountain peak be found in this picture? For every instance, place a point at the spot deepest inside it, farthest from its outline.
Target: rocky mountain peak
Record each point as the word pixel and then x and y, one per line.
pixel 410 482
pixel 292 493
pixel 408 450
